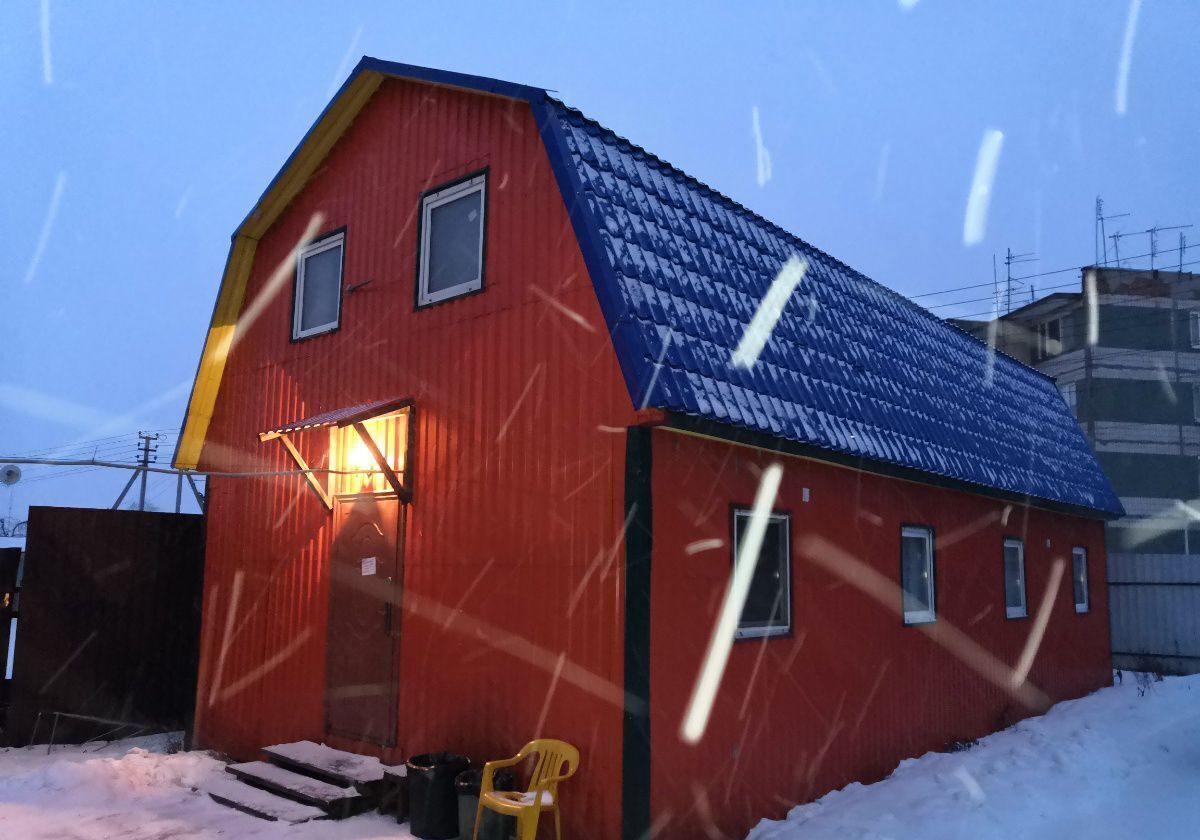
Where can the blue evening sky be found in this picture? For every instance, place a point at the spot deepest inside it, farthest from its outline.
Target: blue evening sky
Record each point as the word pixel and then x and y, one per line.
pixel 136 136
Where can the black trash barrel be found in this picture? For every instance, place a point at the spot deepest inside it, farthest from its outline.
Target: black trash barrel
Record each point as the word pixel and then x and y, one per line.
pixel 432 803
pixel 495 826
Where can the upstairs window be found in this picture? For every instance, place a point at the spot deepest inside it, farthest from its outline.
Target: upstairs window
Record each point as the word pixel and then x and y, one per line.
pixel 1049 339
pixel 318 304
pixel 1014 579
pixel 916 574
pixel 451 247
pixel 1079 573
pixel 1194 328
pixel 768 609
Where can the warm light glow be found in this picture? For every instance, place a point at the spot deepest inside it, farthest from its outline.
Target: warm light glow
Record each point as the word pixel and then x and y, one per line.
pixel 358 457
pixel 390 434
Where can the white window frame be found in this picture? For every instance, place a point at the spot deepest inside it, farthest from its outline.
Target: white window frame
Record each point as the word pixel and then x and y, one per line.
pixel 337 240
pixel 785 629
pixel 1076 553
pixel 431 202
pixel 1023 610
pixel 927 615
pixel 1194 328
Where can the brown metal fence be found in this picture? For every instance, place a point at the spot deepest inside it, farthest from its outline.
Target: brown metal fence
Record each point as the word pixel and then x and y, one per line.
pixel 110 618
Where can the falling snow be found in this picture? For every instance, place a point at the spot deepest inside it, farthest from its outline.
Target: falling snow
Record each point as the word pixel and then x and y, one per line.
pixel 1122 95
pixel 980 197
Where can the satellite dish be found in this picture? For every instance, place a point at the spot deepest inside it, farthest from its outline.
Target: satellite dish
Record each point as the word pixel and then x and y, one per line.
pixel 10 474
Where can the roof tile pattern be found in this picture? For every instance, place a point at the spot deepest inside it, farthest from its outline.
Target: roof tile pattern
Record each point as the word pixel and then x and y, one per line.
pixel 850 366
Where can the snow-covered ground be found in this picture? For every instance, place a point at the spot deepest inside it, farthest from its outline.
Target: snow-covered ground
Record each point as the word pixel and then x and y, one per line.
pixel 134 790
pixel 1122 763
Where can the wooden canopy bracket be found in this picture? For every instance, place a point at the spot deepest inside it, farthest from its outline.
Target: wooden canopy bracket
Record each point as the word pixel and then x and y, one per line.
pixel 402 492
pixel 308 473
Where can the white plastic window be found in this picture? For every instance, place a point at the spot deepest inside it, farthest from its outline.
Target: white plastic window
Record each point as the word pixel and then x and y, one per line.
pixel 1079 574
pixel 1014 579
pixel 916 574
pixel 318 287
pixel 452 241
pixel 768 608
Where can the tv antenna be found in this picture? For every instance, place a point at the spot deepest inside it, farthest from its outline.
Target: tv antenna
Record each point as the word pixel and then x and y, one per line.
pixel 1116 238
pixel 1100 232
pixel 1153 232
pixel 1011 259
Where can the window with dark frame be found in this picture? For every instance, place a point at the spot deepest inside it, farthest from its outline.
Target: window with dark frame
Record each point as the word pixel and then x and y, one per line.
pixel 1079 576
pixel 1014 579
pixel 917 574
pixel 452 236
pixel 1194 328
pixel 1049 334
pixel 768 607
pixel 318 304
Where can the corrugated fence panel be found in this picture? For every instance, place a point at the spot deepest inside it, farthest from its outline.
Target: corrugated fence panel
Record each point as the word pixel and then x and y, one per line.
pixel 1155 600
pixel 510 565
pixel 109 620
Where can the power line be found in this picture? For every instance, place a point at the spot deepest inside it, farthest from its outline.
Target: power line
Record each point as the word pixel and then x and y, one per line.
pixel 1036 274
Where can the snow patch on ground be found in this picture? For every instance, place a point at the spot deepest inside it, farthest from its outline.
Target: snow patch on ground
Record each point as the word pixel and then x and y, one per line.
pixel 1121 763
pixel 140 789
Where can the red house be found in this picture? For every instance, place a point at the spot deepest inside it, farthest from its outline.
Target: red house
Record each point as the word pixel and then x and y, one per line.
pixel 552 394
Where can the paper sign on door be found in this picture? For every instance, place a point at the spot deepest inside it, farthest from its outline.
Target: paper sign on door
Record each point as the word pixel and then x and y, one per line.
pixel 368 565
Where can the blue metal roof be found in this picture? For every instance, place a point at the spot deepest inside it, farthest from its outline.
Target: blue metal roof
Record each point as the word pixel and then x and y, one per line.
pixel 851 367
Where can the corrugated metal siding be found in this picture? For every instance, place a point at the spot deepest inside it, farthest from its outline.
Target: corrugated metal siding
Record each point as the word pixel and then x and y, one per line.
pixel 1155 600
pixel 851 691
pixel 512 593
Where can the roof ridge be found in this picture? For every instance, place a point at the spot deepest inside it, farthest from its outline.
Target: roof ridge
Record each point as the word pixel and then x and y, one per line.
pixel 713 191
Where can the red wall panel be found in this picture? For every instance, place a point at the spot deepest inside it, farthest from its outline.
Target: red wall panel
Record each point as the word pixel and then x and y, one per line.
pixel 851 690
pixel 512 588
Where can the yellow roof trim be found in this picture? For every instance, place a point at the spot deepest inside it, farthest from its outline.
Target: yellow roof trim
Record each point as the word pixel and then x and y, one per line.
pixel 304 162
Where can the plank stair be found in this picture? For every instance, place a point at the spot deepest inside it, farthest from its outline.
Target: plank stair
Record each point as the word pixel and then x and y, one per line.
pixel 338 802
pixel 362 772
pixel 304 781
pixel 260 803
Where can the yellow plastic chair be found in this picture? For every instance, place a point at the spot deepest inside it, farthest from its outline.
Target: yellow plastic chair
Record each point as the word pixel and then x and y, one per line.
pixel 556 761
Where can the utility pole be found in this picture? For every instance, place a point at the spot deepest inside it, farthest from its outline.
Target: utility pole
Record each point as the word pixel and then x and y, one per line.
pixel 1182 248
pixel 148 453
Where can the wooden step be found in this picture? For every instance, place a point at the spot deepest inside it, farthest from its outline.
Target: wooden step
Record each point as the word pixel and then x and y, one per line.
pixel 334 766
pixel 260 803
pixel 335 800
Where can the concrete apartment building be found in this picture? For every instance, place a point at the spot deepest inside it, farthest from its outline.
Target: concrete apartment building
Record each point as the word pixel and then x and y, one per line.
pixel 1124 351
